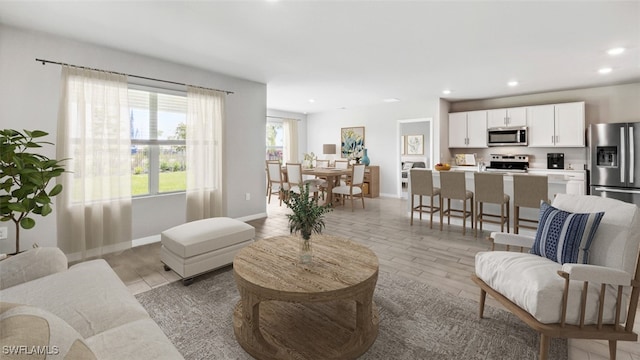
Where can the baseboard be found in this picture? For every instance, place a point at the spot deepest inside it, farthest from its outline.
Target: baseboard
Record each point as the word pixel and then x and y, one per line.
pixel 253 217
pixel 146 240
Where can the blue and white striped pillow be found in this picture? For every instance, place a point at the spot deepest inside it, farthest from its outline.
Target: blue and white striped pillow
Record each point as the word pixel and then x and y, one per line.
pixel 565 237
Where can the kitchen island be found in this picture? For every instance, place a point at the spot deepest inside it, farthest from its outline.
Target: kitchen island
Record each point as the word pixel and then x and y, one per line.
pixel 560 182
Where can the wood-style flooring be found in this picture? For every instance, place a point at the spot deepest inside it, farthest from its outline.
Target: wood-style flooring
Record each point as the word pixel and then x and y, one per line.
pixel 443 259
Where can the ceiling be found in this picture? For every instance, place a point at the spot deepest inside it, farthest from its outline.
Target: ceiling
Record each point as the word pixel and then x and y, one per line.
pixel 346 54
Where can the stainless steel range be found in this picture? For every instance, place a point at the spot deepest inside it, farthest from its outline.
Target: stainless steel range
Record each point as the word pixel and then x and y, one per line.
pixel 508 163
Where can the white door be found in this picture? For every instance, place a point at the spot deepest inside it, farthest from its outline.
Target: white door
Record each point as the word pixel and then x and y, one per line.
pixel 458 130
pixel 517 116
pixel 540 120
pixel 477 129
pixel 570 124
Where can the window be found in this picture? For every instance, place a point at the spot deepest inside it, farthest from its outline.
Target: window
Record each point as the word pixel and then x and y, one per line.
pixel 275 140
pixel 158 132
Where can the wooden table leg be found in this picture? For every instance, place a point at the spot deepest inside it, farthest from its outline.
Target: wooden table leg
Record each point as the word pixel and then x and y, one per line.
pixel 247 330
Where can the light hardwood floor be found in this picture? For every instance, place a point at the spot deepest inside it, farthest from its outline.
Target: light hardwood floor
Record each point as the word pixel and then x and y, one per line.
pixel 443 259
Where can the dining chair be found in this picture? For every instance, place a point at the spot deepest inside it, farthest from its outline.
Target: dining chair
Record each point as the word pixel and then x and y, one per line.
pixel 322 163
pixel 295 181
pixel 354 188
pixel 422 185
pixel 276 184
pixel 342 164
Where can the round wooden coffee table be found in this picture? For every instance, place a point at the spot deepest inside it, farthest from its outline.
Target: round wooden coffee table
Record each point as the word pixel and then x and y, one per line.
pixel 320 311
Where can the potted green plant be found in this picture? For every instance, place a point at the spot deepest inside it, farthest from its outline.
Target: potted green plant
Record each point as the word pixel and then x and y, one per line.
pixel 307 218
pixel 24 178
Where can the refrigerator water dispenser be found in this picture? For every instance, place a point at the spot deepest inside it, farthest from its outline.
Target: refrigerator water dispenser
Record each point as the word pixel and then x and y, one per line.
pixel 607 156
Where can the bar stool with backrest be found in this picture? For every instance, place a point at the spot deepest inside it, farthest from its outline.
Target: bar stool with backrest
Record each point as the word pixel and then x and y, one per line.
pixel 422 185
pixel 276 183
pixel 452 186
pixel 528 191
pixel 489 188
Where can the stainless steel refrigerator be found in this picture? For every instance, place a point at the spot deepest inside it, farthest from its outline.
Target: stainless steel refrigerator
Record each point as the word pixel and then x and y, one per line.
pixel 615 161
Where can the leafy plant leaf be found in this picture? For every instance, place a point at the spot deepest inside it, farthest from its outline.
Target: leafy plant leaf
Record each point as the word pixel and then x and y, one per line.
pixel 27 223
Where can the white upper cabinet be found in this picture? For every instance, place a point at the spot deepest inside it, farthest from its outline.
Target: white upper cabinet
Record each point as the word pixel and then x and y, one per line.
pixel 507 117
pixel 458 129
pixel 468 129
pixel 570 124
pixel 559 125
pixel 541 126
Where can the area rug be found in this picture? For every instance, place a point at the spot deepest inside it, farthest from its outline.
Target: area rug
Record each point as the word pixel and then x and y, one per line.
pixel 416 322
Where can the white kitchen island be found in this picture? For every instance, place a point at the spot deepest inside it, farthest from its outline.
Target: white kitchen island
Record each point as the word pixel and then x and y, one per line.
pixel 560 182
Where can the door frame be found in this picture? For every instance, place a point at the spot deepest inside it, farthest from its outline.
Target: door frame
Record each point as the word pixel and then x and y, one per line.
pixel 428 152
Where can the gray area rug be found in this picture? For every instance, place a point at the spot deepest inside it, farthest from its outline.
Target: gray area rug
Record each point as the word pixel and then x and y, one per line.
pixel 416 322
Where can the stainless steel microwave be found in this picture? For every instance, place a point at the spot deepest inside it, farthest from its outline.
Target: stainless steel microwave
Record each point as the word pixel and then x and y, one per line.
pixel 507 136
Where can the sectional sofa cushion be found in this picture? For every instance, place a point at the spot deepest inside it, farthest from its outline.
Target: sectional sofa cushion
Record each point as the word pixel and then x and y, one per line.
pixel 28 330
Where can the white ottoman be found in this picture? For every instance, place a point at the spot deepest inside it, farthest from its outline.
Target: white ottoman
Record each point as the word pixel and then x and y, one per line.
pixel 200 246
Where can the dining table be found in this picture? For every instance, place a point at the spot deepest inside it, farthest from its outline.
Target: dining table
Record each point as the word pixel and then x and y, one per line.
pixel 332 175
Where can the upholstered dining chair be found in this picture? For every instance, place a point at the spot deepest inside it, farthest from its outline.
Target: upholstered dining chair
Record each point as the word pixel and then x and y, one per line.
pixel 276 185
pixel 342 164
pixel 295 181
pixel 322 163
pixel 421 186
pixel 580 280
pixel 354 189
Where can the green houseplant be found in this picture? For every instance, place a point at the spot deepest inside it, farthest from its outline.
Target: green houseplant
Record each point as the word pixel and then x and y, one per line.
pixel 307 218
pixel 24 178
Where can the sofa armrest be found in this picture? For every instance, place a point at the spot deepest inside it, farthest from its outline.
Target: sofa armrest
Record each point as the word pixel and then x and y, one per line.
pixel 598 274
pixel 512 239
pixel 30 265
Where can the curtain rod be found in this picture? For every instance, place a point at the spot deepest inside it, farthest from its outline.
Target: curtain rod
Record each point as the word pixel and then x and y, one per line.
pixel 129 75
pixel 282 118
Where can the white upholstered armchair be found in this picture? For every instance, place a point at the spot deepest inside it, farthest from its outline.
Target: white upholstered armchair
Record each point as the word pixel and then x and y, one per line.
pixel 595 298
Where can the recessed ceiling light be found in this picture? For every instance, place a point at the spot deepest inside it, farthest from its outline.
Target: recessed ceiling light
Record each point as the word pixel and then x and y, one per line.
pixel 446 92
pixel 512 83
pixel 615 51
pixel 391 100
pixel 604 70
pixel 312 100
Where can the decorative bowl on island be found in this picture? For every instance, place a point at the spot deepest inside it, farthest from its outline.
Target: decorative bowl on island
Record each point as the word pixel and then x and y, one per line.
pixel 443 167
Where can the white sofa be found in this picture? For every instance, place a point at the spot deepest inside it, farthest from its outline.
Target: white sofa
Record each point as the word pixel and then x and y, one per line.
pixel 89 297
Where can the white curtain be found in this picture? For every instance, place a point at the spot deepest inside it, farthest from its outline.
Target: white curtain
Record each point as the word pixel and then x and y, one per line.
pixel 290 151
pixel 94 210
pixel 205 121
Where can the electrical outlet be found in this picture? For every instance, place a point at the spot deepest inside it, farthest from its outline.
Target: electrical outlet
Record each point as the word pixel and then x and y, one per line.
pixel 247 196
pixel 4 232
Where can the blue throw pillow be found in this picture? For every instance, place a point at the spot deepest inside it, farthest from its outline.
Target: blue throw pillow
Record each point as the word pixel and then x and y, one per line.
pixel 565 237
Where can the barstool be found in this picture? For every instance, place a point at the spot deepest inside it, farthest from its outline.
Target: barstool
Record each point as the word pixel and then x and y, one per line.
pixel 452 186
pixel 422 185
pixel 489 188
pixel 528 191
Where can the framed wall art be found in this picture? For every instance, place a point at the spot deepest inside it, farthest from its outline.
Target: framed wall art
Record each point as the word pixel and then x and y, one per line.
pixel 415 144
pixel 352 141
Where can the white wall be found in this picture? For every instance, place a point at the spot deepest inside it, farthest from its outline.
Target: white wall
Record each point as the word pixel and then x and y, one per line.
pixel 29 95
pixel 381 133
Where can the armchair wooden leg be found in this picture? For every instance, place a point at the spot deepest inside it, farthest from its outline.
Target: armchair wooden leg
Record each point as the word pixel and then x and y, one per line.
pixel 544 347
pixel 441 212
pixel 411 222
pixel 613 344
pixel 483 297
